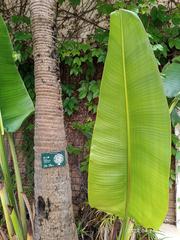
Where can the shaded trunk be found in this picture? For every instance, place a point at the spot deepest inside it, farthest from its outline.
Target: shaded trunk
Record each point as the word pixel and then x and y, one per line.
pixel 53 201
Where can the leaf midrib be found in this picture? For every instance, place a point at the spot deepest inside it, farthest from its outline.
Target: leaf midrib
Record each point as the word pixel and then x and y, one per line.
pixel 127 120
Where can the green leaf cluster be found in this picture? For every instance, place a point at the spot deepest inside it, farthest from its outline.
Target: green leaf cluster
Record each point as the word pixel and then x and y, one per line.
pixel 86 130
pixel 73 3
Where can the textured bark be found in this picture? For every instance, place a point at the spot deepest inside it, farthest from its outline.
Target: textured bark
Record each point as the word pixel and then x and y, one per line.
pixel 53 201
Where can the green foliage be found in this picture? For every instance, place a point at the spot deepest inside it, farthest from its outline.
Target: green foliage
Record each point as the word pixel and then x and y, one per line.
pixel 11 83
pixel 142 233
pixel 162 27
pixel 177 155
pixel 127 130
pixel 172 178
pixel 67 90
pixel 28 151
pixel 79 58
pixel 70 105
pixel 106 228
pixel 70 102
pixel 90 92
pixel 22 36
pixel 104 8
pixel 171 79
pixel 160 22
pixel 171 74
pixel 73 3
pixel 164 30
pixel 20 20
pixel 100 38
pixel 15 107
pixel 19 27
pixel 84 165
pixel 76 56
pixel 86 129
pixel 73 150
pixel 81 230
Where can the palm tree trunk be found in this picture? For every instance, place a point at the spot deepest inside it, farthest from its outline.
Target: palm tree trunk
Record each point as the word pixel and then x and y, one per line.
pixel 53 201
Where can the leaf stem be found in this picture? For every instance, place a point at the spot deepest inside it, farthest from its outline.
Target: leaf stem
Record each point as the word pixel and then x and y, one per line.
pixel 5 203
pixel 126 230
pixel 173 104
pixel 16 225
pixel 6 172
pixel 19 184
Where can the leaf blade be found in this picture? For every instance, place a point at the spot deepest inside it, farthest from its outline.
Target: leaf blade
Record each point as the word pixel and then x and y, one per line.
pixel 15 103
pixel 120 180
pixel 172 79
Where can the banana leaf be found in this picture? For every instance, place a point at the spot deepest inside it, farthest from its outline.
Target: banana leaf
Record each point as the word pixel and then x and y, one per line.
pixel 171 81
pixel 15 102
pixel 131 144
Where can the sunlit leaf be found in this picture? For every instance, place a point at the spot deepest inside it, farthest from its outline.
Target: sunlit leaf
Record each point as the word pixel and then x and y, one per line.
pixel 131 144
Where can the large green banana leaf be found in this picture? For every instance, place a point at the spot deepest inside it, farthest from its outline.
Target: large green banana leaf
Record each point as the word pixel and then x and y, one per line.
pixel 131 145
pixel 15 102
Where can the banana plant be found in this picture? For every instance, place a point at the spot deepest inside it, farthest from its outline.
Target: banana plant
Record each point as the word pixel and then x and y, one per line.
pixel 15 106
pixel 131 144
